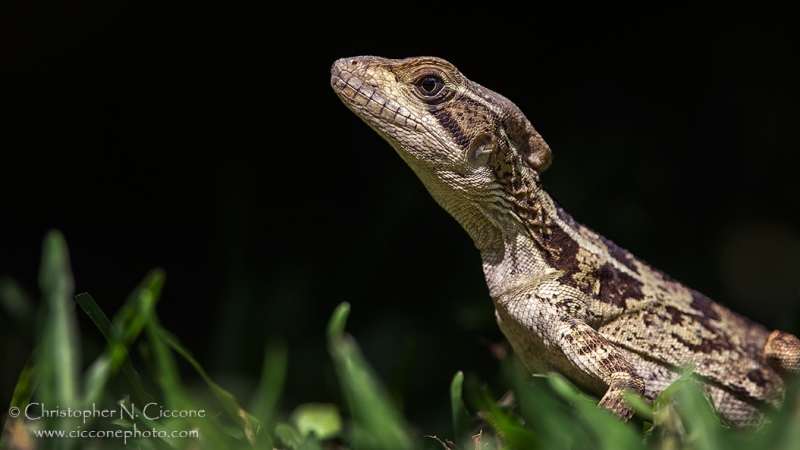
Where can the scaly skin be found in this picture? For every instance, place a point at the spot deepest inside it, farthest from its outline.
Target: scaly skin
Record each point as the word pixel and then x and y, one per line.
pixel 566 298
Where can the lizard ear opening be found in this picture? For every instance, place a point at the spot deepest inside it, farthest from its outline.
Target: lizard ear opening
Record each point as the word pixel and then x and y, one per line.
pixel 479 150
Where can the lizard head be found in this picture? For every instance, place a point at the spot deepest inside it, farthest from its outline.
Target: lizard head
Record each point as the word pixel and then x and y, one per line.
pixel 470 146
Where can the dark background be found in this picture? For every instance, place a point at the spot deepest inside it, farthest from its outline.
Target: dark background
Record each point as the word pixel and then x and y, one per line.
pixel 207 141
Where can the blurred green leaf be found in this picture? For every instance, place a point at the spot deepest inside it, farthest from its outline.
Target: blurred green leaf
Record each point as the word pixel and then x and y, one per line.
pixel 550 419
pixel 17 303
pixel 94 382
pixel 58 356
pixel 666 418
pixel 118 356
pixel 26 384
pixel 605 430
pixel 23 391
pixel 270 386
pixel 131 319
pixel 703 424
pixel 338 320
pixel 639 405
pixel 320 419
pixel 168 378
pixel 248 423
pixel 784 432
pixel 459 410
pixel 508 425
pixel 288 435
pixel 377 423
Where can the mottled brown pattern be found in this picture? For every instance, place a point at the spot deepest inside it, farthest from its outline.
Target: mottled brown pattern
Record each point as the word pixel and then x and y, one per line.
pixel 566 298
pixel 704 304
pixel 451 125
pixel 559 248
pixel 706 346
pixel 757 377
pixel 587 349
pixel 620 254
pixel 616 287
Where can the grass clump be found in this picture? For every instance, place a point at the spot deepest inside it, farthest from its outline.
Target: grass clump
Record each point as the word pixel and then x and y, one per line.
pixel 157 411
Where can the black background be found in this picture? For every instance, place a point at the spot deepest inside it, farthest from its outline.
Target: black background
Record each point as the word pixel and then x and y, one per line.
pixel 207 141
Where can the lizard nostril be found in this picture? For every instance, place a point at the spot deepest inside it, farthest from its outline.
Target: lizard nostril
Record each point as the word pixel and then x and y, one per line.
pixel 353 62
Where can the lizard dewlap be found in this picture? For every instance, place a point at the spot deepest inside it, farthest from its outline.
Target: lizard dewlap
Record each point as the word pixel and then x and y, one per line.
pixel 566 298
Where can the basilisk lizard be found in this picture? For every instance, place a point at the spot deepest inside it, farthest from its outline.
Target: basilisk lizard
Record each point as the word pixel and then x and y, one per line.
pixel 566 298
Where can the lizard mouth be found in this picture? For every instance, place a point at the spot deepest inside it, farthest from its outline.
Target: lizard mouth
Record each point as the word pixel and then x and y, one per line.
pixel 337 83
pixel 351 80
pixel 358 83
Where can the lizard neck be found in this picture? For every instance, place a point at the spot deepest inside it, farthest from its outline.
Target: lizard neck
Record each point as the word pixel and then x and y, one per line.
pixel 536 238
pixel 514 240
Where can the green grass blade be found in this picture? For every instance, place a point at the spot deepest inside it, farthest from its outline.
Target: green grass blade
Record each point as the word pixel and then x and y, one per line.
pixel 270 386
pixel 137 310
pixel 17 303
pixel 89 306
pixel 95 380
pixel 59 358
pixel 338 320
pixel 23 391
pixel 26 384
pixel 164 366
pixel 378 424
pixel 506 424
pixel 459 410
pixel 551 420
pixel 288 435
pixel 786 426
pixel 640 406
pixel 704 425
pixel 248 423
pixel 118 354
pixel 607 431
pixel 176 396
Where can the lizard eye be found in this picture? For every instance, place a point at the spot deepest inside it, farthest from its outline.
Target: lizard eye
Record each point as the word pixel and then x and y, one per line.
pixel 430 86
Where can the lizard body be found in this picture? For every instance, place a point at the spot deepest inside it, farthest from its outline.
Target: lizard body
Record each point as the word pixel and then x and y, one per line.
pixel 566 298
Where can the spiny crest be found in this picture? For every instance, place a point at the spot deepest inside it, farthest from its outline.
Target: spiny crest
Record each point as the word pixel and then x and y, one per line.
pixel 514 171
